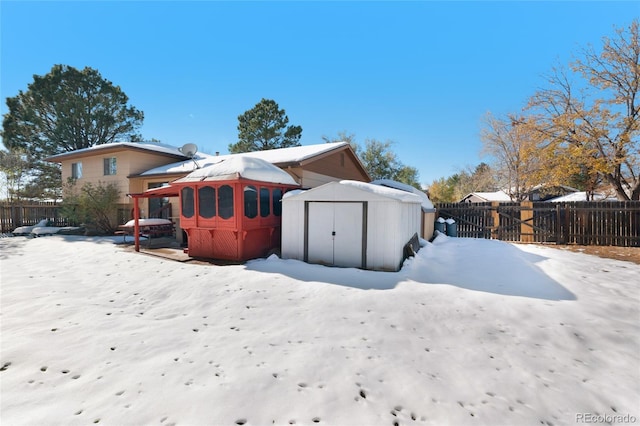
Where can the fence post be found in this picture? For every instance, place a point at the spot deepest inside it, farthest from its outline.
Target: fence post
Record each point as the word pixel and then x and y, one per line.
pixel 495 220
pixel 562 224
pixel 16 214
pixel 526 222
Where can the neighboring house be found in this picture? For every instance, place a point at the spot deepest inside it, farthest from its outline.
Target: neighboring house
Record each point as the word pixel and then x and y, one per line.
pixel 538 193
pixel 486 197
pixel 138 167
pixel 547 192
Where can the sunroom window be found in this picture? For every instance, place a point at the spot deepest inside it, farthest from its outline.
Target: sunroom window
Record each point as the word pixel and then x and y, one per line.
pixel 277 202
pixel 250 201
pixel 207 202
pixel 265 205
pixel 225 202
pixel 188 207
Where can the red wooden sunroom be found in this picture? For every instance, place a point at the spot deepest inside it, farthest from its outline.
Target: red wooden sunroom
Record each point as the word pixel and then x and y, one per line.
pixel 232 210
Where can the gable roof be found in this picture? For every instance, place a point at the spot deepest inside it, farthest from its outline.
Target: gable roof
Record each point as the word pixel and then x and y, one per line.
pixel 543 186
pixel 149 147
pixel 281 157
pixel 489 196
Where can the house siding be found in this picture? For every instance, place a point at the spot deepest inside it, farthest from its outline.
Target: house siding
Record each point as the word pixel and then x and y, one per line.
pixel 313 180
pixel 127 163
pixel 339 164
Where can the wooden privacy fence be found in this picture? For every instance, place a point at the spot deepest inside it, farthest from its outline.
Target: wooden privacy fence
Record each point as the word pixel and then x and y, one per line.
pixel 615 223
pixel 15 215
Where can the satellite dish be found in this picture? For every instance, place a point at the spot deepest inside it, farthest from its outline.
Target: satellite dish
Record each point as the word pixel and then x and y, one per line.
pixel 189 149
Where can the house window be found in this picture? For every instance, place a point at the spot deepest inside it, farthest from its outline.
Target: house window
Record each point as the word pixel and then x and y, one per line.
pixel 207 202
pixel 76 170
pixel 277 202
pixel 225 202
pixel 159 207
pixel 250 201
pixel 265 206
pixel 187 202
pixel 110 166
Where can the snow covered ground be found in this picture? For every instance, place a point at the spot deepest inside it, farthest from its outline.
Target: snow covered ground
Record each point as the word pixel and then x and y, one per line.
pixel 468 332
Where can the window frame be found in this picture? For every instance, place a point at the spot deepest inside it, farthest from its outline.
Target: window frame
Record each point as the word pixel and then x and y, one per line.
pixel 76 170
pixel 110 166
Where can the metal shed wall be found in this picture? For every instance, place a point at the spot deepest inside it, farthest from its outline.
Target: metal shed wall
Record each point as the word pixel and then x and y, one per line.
pixel 390 223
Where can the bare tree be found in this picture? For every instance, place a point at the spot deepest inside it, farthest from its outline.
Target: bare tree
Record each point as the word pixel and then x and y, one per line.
pixel 512 143
pixel 590 127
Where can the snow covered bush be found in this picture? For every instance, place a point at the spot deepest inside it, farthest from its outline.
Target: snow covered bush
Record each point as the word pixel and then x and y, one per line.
pixel 93 205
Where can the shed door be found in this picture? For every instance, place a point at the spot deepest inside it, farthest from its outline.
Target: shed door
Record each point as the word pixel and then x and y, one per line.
pixel 335 234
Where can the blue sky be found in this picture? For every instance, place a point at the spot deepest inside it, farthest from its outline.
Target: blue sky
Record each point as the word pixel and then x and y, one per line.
pixel 422 74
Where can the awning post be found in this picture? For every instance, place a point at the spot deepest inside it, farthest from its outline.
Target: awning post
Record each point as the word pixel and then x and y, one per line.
pixel 136 223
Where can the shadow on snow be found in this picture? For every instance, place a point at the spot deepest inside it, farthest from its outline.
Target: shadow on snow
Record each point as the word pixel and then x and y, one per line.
pixel 481 265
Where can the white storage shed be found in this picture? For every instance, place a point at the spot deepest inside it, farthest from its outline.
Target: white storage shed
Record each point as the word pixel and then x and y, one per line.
pixel 428 210
pixel 351 224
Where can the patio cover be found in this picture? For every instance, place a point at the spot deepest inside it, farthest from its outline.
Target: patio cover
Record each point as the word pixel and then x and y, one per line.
pixel 163 191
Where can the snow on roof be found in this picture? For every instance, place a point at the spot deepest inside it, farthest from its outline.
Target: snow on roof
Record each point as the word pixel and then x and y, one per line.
pixel 295 154
pixel 149 146
pixel 384 191
pixel 294 192
pixel 186 166
pixel 235 167
pixel 426 202
pixel 577 196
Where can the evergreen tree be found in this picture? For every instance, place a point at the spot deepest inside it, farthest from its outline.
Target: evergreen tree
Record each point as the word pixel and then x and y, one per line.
pixel 65 110
pixel 379 159
pixel 264 127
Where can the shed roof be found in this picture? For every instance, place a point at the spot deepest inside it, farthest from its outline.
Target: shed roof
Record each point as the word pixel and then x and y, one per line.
pixel 239 167
pixel 427 205
pixel 345 189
